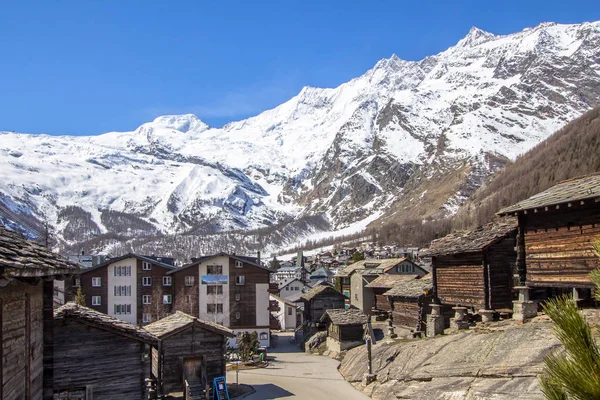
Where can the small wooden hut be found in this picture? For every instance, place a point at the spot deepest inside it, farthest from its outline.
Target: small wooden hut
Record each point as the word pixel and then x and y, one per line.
pixel 410 301
pixel 27 273
pixel 557 229
pixel 319 299
pixel 382 284
pixel 190 351
pixel 474 268
pixel 344 328
pixel 98 356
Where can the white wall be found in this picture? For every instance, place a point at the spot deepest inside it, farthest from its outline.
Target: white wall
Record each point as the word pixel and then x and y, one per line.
pixel 283 293
pixel 262 304
pixel 221 318
pixel 123 281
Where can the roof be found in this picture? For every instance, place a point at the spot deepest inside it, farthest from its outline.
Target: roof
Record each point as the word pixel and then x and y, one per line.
pixel 284 282
pixel 312 293
pixel 473 240
pixel 582 188
pixel 197 261
pixel 321 272
pixel 103 321
pixel 20 257
pixel 340 316
pixel 375 266
pixel 386 281
pixel 411 288
pixel 130 255
pixel 179 321
pixel 289 302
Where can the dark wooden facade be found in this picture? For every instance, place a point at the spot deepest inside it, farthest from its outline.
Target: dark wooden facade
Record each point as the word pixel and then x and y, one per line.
pixel 189 350
pixel 410 303
pixel 345 326
pixel 319 299
pixel 246 293
pixel 100 356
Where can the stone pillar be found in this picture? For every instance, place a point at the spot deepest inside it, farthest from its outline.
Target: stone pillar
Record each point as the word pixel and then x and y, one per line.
pixel 458 322
pixel 524 308
pixel 435 321
pixel 391 333
pixel 487 315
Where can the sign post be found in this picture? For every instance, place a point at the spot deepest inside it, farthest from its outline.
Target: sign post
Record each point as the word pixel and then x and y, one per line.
pixel 369 342
pixel 220 391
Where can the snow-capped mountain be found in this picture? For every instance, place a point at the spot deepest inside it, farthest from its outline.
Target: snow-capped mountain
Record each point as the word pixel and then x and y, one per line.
pixel 406 139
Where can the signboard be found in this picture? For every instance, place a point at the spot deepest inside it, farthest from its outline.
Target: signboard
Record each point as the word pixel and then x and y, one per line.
pixel 220 391
pixel 214 279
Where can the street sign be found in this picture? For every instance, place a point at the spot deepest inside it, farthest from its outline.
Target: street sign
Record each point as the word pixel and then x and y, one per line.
pixel 220 391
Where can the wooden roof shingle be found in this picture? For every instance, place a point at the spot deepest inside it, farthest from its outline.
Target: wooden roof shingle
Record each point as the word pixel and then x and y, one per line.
pixel 312 293
pixel 103 321
pixel 473 240
pixel 411 288
pixel 179 321
pixel 386 281
pixel 20 257
pixel 343 317
pixel 374 266
pixel 582 188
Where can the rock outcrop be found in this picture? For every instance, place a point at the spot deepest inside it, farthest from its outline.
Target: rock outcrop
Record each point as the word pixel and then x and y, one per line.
pixel 500 364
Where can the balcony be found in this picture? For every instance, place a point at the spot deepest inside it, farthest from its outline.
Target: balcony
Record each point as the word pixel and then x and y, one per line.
pixel 274 305
pixel 273 288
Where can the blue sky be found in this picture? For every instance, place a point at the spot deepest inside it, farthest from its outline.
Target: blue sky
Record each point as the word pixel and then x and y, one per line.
pixel 88 67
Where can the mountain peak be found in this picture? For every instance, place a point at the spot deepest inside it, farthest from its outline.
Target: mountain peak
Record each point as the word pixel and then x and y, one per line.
pixel 475 37
pixel 182 122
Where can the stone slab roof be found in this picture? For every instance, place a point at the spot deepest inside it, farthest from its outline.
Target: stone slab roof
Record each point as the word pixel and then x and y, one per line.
pixel 386 281
pixel 376 266
pixel 577 189
pixel 343 317
pixel 20 257
pixel 473 240
pixel 131 255
pixel 315 291
pixel 179 321
pixel 411 288
pixel 103 321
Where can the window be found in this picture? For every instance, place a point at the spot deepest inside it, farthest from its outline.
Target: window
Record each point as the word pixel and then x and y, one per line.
pixel 146 266
pixel 238 297
pixel 167 280
pixel 123 290
pixel 77 282
pixel 147 281
pixel 212 308
pixel 167 299
pixel 123 270
pixel 239 264
pixel 238 315
pixel 146 299
pixel 122 309
pixel 214 289
pixel 189 281
pixel 214 270
pixel 96 282
pixel 264 336
pixel 347 293
pixel 240 280
pixel 290 310
pixel 146 318
pixel 96 300
pixel 287 288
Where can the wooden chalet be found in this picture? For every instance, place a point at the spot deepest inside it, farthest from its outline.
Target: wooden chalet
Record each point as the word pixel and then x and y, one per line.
pixel 190 353
pixel 409 301
pixel 382 284
pixel 557 229
pixel 27 273
pixel 344 328
pixel 474 268
pixel 99 357
pixel 319 299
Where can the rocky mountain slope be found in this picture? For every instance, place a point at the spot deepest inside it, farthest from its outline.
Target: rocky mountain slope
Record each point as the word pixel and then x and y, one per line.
pixel 404 138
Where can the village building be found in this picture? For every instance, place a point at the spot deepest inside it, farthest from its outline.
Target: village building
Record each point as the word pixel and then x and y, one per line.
pixel 229 290
pixel 287 274
pixel 190 354
pixel 133 288
pixel 319 299
pixel 321 274
pixel 286 313
pixel 382 284
pixel 345 328
pixel 556 232
pixel 99 357
pixel 27 272
pixel 474 268
pixel 289 287
pixel 409 302
pixel 353 279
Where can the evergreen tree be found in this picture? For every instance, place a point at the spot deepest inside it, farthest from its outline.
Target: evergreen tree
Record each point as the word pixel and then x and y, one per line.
pixel 358 256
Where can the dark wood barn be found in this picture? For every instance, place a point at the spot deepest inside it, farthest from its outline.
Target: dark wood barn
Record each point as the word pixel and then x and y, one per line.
pixel 410 301
pixel 344 328
pixel 382 284
pixel 557 229
pixel 474 268
pixel 189 350
pixel 27 273
pixel 99 356
pixel 319 299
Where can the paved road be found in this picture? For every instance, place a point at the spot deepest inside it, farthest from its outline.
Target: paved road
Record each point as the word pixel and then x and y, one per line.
pixel 296 374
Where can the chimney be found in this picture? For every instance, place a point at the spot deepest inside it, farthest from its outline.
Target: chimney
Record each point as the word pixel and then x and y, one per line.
pixel 258 257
